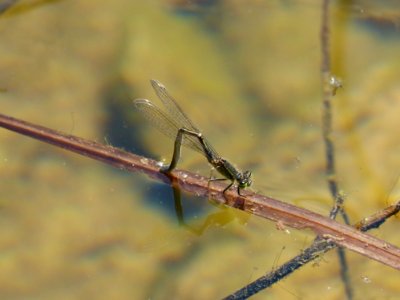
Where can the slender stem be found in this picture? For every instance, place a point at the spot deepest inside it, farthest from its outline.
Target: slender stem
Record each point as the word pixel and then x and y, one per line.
pixel 344 272
pixel 327 115
pixel 328 93
pixel 256 204
pixel 318 247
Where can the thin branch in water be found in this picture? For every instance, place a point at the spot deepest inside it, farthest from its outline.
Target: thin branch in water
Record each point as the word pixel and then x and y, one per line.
pixel 329 91
pixel 318 247
pixel 256 204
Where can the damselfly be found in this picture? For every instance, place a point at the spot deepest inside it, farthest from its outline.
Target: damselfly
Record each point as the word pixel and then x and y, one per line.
pixel 175 124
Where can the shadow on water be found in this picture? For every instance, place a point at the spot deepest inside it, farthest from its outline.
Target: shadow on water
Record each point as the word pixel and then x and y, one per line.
pixel 117 96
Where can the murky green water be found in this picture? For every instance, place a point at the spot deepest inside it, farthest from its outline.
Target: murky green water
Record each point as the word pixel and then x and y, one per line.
pixel 249 77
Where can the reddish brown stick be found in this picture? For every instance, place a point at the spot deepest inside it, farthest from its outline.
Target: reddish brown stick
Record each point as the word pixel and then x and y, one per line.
pixel 263 206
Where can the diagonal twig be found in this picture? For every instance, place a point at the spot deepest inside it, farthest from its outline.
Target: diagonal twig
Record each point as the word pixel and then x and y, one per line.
pixel 256 204
pixel 318 247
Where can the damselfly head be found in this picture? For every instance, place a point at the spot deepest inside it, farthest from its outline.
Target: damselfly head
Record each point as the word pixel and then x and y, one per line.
pixel 245 179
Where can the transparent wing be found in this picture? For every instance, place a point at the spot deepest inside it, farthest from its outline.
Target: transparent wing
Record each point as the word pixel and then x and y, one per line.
pixel 167 124
pixel 172 106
